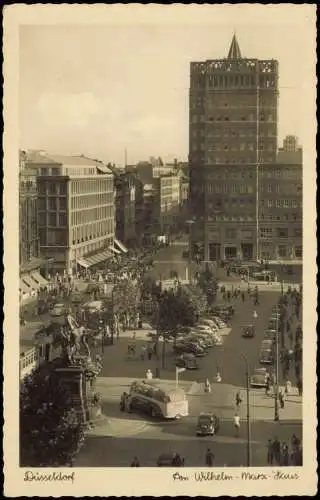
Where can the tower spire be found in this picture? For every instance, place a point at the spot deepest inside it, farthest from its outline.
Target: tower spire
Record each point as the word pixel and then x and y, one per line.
pixel 234 51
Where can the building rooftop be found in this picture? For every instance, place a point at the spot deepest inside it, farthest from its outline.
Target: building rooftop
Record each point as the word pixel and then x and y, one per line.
pixel 234 51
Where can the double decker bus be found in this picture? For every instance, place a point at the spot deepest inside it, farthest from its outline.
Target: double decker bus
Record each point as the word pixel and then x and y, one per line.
pixel 149 398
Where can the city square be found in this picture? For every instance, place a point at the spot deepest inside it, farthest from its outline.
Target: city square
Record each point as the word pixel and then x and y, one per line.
pixel 162 298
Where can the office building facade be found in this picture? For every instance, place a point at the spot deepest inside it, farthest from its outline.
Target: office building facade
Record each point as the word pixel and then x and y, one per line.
pixel 232 154
pixel 75 211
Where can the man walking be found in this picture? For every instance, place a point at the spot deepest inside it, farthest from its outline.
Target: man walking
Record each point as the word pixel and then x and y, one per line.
pixel 209 458
pixel 276 450
pixel 270 453
pixel 236 423
pixel 238 400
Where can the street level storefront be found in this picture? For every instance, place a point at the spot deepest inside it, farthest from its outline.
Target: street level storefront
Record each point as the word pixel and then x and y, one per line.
pixel 93 260
pixel 30 284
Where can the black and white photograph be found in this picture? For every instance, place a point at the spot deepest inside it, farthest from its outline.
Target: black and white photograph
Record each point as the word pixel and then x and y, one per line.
pixel 163 288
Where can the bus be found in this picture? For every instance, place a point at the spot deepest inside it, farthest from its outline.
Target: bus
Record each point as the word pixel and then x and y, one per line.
pixel 149 398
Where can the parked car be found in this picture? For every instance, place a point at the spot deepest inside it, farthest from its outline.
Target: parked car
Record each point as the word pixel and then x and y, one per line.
pixel 248 331
pixel 197 340
pixel 259 377
pixel 273 324
pixel 203 340
pixel 219 322
pixel 266 356
pixel 270 334
pixel 189 347
pixel 267 344
pixel 207 425
pixel 204 328
pixel 208 322
pixel 58 310
pixel 188 361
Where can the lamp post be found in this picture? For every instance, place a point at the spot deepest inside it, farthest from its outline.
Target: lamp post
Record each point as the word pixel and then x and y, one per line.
pixel 276 385
pixel 248 411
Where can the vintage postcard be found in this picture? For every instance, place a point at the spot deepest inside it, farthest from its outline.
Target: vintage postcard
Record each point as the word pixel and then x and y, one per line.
pixel 160 250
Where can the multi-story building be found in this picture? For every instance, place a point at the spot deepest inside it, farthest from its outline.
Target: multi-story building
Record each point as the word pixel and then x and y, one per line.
pixel 232 150
pixel 167 203
pixel 291 152
pixel 125 184
pixel 31 266
pixel 28 223
pixel 75 211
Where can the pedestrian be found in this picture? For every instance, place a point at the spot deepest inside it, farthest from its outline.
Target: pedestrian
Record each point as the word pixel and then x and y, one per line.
pixel 288 386
pixel 299 386
pixel 143 352
pixel 276 450
pixel 135 462
pixel 149 352
pixel 207 385
pixel 267 386
pixel 177 461
pixel 124 396
pixel 270 453
pixel 236 423
pixel 243 297
pixel 284 455
pixel 149 374
pixel 238 399
pixel 218 377
pixel 229 295
pixel 281 399
pixel 209 458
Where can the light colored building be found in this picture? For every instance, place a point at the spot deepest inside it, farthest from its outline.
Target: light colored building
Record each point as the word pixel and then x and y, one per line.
pixel 76 211
pixel 167 202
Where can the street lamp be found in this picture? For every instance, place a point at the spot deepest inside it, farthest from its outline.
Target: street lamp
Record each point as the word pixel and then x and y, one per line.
pixel 276 385
pixel 248 410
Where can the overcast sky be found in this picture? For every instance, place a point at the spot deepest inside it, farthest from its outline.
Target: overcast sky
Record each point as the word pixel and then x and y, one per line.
pixel 98 89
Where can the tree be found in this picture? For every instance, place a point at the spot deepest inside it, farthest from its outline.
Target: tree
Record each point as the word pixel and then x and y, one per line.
pixel 208 283
pixel 51 434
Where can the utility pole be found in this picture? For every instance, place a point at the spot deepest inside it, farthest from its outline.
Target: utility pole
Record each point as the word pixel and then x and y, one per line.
pixel 276 386
pixel 248 418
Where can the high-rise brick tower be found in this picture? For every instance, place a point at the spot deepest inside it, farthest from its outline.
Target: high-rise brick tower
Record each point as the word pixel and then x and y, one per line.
pixel 232 133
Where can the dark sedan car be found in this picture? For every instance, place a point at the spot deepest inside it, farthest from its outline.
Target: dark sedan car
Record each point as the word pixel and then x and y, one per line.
pixel 248 331
pixel 208 424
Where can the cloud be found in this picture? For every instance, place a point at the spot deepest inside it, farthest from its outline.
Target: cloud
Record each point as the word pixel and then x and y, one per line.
pixel 68 110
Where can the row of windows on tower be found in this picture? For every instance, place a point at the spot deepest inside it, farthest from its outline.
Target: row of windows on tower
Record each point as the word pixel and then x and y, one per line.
pixel 252 117
pixel 233 147
pixel 233 81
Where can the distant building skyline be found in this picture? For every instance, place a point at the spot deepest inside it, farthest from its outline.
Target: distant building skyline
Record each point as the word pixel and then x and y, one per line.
pixel 75 98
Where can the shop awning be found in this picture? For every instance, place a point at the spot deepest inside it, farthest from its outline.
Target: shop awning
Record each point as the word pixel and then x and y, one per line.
pixel 114 250
pixel 29 282
pixel 94 259
pixel 39 279
pixel 23 287
pixel 121 245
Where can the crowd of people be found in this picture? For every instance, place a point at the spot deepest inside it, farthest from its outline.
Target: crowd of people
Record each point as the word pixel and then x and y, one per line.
pixel 284 454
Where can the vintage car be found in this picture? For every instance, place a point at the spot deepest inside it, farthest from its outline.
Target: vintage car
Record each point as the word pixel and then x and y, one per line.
pixel 188 361
pixel 208 424
pixel 248 331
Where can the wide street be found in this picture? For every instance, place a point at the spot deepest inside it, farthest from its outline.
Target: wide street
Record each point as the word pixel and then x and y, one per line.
pixel 118 437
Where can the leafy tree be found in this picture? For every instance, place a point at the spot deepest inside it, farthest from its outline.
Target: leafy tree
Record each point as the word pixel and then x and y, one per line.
pixel 51 434
pixel 208 283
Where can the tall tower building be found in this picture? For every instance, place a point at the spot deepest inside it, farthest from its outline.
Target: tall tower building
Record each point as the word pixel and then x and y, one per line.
pixel 232 133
